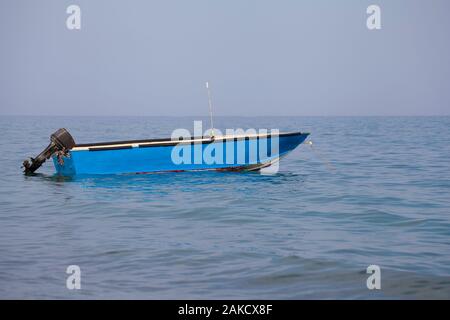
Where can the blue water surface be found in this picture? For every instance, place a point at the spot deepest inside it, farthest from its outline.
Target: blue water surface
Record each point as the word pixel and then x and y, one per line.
pixel 371 190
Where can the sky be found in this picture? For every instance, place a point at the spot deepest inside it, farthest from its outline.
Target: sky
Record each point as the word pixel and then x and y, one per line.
pixel 261 58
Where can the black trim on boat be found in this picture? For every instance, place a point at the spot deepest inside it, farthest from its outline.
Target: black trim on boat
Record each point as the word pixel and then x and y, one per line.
pixel 162 144
pixel 128 144
pixel 97 144
pixel 110 148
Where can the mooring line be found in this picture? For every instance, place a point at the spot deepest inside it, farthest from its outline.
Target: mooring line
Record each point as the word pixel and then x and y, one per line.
pixel 327 163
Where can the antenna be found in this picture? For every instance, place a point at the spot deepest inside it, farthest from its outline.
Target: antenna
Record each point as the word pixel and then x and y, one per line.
pixel 210 109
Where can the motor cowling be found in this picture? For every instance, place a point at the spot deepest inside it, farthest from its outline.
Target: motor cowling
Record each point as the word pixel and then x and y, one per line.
pixel 60 141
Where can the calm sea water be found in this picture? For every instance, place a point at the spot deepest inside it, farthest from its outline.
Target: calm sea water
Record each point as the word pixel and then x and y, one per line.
pixel 373 191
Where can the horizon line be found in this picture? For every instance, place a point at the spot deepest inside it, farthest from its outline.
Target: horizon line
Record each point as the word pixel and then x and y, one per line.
pixel 222 116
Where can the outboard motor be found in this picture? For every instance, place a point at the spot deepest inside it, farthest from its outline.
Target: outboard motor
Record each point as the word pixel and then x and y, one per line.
pixel 60 141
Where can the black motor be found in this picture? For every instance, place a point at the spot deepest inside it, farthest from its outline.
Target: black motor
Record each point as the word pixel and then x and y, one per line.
pixel 60 141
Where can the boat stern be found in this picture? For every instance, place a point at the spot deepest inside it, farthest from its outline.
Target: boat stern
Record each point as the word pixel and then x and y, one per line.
pixel 64 164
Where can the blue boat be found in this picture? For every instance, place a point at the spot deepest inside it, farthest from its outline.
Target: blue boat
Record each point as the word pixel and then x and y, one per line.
pixel 238 152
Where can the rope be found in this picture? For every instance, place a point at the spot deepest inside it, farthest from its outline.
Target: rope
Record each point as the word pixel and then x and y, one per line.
pixel 327 163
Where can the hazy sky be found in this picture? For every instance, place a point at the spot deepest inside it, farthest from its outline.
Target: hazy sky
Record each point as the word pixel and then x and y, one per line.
pixel 297 57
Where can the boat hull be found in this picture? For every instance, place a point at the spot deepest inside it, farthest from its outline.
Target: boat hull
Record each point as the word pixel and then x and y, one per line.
pixel 164 155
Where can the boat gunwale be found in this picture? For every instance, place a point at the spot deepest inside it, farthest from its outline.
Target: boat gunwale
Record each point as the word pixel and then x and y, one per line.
pixel 128 144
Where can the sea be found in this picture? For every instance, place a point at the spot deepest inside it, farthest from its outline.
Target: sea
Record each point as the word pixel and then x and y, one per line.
pixel 369 198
